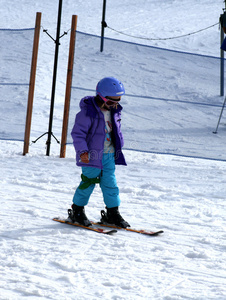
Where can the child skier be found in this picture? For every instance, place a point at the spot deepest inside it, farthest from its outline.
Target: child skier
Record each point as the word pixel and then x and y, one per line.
pixel 98 141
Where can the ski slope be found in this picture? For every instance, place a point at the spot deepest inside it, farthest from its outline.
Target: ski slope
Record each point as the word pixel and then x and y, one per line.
pixel 185 197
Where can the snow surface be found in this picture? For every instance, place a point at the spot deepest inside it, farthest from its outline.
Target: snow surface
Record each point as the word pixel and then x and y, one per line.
pixel 41 259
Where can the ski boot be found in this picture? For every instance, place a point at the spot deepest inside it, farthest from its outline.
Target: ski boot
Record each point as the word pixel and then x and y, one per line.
pixel 113 217
pixel 77 214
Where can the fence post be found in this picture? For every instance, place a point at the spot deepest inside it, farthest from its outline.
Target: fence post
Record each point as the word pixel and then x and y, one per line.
pixel 32 83
pixel 68 86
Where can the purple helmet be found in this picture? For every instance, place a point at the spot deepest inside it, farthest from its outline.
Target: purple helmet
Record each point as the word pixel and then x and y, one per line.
pixel 109 86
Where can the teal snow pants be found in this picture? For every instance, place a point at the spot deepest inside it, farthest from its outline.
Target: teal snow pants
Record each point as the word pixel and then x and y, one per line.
pixel 108 183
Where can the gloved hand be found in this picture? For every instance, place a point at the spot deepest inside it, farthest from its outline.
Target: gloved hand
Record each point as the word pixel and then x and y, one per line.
pixel 84 157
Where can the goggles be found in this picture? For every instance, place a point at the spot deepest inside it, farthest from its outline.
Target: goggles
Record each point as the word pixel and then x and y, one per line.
pixel 110 101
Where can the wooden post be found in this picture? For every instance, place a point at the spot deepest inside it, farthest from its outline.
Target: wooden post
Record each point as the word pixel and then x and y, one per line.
pixel 32 83
pixel 68 86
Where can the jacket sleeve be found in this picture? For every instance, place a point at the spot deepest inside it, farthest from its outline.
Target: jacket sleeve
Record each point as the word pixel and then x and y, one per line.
pixel 79 132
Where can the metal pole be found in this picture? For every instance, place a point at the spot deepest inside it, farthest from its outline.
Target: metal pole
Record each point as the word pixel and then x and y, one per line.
pixel 222 61
pixel 220 116
pixel 222 66
pixel 103 25
pixel 54 78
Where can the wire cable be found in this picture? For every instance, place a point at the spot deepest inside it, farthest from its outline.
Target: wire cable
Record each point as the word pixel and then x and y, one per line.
pixel 162 39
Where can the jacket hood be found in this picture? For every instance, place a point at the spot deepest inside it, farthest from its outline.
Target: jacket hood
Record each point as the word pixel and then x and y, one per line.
pixel 88 104
pixel 86 101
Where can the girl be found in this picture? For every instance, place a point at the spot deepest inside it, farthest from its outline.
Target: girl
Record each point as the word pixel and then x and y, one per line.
pixel 98 141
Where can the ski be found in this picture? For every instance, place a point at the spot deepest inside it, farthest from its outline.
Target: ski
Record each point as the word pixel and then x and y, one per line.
pixel 141 231
pixel 106 231
pixel 96 229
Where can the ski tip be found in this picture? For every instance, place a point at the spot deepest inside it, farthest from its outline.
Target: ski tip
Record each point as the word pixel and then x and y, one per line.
pixel 157 232
pixel 105 231
pixel 57 219
pixel 112 232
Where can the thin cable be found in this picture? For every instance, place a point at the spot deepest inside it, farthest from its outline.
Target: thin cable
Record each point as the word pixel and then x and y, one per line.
pixel 162 39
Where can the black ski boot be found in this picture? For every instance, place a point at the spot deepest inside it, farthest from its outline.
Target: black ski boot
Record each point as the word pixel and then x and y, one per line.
pixel 77 214
pixel 112 216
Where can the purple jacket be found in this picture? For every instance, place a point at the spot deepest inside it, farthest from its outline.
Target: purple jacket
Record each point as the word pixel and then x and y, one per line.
pixel 88 133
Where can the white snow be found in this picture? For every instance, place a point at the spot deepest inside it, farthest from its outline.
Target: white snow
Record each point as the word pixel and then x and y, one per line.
pixel 41 259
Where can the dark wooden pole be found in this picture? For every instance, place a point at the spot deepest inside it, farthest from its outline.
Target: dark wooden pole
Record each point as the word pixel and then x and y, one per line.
pixel 32 83
pixel 68 86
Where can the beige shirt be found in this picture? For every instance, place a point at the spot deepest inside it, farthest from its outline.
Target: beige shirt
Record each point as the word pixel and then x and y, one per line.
pixel 108 146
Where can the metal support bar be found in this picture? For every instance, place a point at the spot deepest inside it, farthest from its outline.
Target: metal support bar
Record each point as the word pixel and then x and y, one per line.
pixel 220 116
pixel 103 25
pixel 222 66
pixel 48 143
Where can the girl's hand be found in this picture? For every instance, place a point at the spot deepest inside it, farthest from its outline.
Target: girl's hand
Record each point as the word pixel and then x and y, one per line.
pixel 84 157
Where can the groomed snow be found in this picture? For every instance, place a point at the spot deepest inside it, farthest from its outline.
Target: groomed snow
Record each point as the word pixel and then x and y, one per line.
pixel 185 197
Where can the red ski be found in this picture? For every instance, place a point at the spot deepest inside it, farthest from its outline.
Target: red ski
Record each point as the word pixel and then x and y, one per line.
pixel 96 229
pixel 142 231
